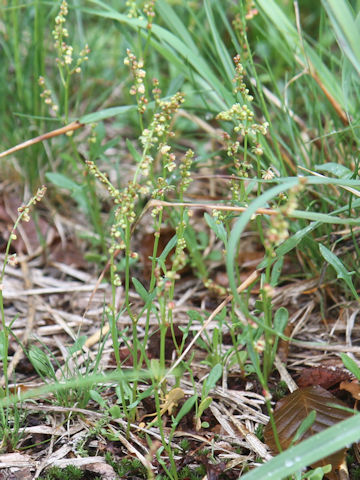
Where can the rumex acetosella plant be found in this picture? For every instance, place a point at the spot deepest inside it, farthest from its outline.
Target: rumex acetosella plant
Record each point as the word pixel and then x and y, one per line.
pixel 10 415
pixel 67 65
pixel 152 178
pixel 244 146
pixel 246 135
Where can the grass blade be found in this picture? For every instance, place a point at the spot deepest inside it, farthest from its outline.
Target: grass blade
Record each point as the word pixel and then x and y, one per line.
pixel 346 31
pixel 308 452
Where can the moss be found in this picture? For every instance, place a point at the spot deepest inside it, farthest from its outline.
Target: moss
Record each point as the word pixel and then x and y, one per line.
pixel 126 467
pixel 68 473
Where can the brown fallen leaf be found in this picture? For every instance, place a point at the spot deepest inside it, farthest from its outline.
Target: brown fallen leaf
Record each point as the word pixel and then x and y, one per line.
pixel 294 408
pixel 353 387
pixel 326 377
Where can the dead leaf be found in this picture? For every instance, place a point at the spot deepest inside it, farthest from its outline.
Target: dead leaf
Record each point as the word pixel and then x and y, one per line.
pixel 71 254
pixel 294 408
pixel 147 248
pixel 16 460
pixel 283 346
pixel 353 387
pixel 326 377
pixel 22 474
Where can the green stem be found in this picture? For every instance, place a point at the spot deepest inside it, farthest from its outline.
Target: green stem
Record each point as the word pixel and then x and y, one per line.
pixel 66 98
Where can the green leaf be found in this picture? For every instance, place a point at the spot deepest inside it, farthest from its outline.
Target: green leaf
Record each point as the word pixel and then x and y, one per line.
pixel 186 408
pixel 262 200
pixel 241 223
pixel 336 169
pixel 308 452
pixel 41 362
pixel 181 54
pixel 3 344
pixel 79 343
pixel 97 398
pixel 324 218
pixel 298 44
pixel 341 271
pixel 106 113
pixel 172 20
pixel 276 271
pixel 318 473
pixel 351 365
pixel 204 404
pixel 280 320
pixel 62 181
pixel 217 228
pixel 304 426
pixel 140 290
pixel 76 190
pixel 214 375
pixel 115 411
pixel 170 245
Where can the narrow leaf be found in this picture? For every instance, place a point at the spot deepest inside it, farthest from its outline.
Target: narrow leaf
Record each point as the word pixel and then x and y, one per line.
pixel 351 365
pixel 217 228
pixel 341 271
pixel 210 382
pixel 346 31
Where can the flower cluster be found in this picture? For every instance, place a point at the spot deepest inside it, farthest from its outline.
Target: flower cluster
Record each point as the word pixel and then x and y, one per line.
pixel 125 212
pixel 245 130
pixel 65 51
pixel 168 157
pixel 47 96
pixel 215 287
pixel 160 125
pixel 268 174
pixel 277 232
pixel 114 192
pixel 132 8
pixel 239 80
pixel 139 74
pixel 279 225
pixel 154 137
pixel 162 187
pixel 219 216
pixel 243 118
pixel 185 167
pixel 24 216
pixel 149 10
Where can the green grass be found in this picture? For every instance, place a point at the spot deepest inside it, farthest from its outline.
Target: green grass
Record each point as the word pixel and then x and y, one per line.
pixel 279 124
